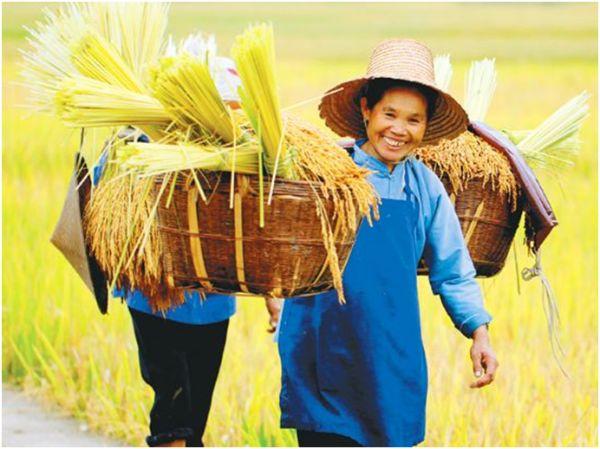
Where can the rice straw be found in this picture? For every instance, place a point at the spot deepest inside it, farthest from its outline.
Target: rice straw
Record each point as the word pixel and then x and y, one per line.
pixel 442 71
pixel 555 143
pixel 480 88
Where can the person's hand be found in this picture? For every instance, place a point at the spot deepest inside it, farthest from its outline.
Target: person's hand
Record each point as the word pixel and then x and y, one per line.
pixel 483 357
pixel 274 308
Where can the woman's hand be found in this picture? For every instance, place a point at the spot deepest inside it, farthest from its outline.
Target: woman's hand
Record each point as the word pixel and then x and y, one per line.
pixel 483 357
pixel 274 308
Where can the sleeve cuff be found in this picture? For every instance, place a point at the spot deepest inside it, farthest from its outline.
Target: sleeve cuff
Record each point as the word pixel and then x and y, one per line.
pixel 119 292
pixel 468 326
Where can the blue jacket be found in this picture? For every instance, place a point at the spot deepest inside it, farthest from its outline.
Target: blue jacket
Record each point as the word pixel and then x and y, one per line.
pixel 439 238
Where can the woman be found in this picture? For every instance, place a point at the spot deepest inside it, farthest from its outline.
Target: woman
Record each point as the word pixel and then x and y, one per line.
pixel 356 374
pixel 180 350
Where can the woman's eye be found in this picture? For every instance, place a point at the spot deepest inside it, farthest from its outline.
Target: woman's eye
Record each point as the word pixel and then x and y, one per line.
pixel 414 121
pixel 389 115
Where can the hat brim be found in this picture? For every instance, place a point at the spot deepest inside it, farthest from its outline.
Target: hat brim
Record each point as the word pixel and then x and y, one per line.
pixel 340 108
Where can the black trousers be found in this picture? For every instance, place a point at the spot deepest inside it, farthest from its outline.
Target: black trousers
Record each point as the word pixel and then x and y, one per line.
pixel 181 363
pixel 308 438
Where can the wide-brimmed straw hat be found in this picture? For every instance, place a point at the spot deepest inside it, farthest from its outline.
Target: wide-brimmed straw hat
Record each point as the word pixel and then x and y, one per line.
pixel 400 59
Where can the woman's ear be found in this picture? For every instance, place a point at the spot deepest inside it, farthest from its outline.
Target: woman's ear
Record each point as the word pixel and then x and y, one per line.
pixel 366 112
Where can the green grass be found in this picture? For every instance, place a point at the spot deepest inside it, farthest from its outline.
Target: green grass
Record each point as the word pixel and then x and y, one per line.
pixel 56 344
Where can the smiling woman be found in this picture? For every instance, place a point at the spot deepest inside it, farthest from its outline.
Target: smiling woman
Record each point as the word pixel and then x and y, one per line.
pixel 395 115
pixel 356 375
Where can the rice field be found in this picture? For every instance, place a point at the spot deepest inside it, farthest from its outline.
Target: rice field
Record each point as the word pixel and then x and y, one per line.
pixel 57 346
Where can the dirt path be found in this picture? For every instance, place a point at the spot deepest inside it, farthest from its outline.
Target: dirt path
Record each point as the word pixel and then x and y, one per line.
pixel 25 422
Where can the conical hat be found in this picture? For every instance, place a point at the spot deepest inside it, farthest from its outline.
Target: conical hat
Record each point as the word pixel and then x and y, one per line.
pixel 68 237
pixel 401 59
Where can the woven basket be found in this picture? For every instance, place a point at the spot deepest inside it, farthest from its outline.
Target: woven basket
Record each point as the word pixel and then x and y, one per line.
pixel 488 224
pixel 217 248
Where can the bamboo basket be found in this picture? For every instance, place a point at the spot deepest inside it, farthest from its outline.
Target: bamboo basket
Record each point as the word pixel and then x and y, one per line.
pixel 215 248
pixel 488 224
pixel 488 217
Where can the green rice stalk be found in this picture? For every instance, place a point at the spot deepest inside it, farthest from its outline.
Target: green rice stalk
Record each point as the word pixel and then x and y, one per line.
pixel 184 86
pixel 555 143
pixel 274 171
pixel 47 61
pixel 85 102
pixel 134 30
pixel 96 58
pixel 254 55
pixel 442 68
pixel 151 159
pixel 261 191
pixel 142 28
pixel 480 88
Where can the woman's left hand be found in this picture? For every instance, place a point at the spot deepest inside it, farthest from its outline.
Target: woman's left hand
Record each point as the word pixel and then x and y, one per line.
pixel 483 357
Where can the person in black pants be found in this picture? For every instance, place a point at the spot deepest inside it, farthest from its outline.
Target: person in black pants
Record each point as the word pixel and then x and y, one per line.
pixel 182 371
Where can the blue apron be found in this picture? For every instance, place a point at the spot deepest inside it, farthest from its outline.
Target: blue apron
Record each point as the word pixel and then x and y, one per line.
pixel 359 369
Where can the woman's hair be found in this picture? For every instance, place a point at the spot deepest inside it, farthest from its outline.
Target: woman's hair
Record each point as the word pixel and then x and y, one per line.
pixel 375 89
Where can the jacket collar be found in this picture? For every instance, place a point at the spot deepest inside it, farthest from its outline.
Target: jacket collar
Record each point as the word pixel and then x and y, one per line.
pixel 372 163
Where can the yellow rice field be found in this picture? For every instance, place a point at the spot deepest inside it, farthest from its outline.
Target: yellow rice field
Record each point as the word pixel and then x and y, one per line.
pixel 56 345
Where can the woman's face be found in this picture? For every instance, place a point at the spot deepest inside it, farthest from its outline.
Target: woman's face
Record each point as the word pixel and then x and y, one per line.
pixel 395 125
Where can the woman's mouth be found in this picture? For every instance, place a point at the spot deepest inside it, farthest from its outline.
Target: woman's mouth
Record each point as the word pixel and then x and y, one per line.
pixel 393 143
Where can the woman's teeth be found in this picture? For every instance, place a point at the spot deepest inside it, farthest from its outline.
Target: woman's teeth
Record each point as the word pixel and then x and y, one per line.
pixel 393 143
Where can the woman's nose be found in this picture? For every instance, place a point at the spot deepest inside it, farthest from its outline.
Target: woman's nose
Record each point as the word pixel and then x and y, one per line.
pixel 399 129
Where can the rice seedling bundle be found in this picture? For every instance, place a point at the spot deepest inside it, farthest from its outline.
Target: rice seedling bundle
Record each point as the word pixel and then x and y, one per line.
pixel 88 42
pixel 93 56
pixel 151 159
pixel 85 102
pixel 254 55
pixel 480 88
pixel 183 84
pixel 554 143
pixel 442 71
pixel 174 100
pixel 141 31
pixel 48 60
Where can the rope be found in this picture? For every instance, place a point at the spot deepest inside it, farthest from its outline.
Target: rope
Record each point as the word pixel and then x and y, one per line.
pixel 550 307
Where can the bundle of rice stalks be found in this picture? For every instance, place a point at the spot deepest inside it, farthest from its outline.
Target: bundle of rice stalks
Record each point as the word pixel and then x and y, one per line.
pixel 183 84
pixel 322 161
pixel 141 33
pixel 109 42
pixel 480 88
pixel 95 57
pixel 85 102
pixel 48 60
pixel 554 144
pixel 151 159
pixel 254 55
pixel 442 71
pixel 125 238
pixel 468 157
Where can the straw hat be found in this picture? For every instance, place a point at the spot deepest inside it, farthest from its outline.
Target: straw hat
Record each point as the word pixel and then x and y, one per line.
pixel 401 59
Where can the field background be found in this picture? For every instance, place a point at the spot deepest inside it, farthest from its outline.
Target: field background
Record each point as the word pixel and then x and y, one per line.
pixel 57 346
